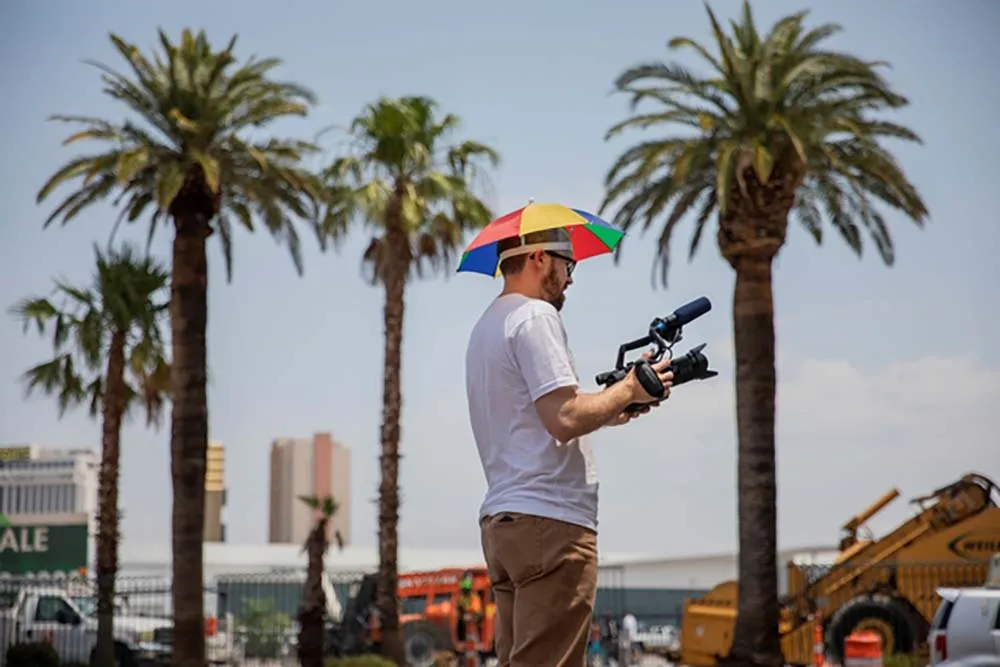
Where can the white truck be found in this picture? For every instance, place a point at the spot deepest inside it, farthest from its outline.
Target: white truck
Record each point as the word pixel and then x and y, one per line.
pixel 53 615
pixel 48 614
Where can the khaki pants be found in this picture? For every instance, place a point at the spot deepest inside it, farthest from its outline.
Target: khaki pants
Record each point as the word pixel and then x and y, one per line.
pixel 544 578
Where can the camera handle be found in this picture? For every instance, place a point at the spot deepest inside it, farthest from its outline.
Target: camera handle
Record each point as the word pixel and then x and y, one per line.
pixel 662 344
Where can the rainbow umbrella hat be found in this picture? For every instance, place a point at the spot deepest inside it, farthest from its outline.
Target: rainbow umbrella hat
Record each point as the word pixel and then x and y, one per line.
pixel 589 234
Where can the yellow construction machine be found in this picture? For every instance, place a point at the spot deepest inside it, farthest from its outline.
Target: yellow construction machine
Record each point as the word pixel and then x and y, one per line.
pixel 886 585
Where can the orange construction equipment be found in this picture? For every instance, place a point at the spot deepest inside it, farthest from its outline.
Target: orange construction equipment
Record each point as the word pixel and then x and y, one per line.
pixel 430 614
pixel 863 649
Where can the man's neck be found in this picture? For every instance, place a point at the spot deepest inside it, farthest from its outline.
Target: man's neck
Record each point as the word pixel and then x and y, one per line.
pixel 523 290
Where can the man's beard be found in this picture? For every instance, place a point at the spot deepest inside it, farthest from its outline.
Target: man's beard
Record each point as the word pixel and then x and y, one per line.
pixel 550 289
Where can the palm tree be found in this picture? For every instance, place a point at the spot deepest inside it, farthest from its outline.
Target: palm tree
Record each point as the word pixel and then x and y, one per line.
pixel 313 608
pixel 413 190
pixel 186 155
pixel 109 356
pixel 779 124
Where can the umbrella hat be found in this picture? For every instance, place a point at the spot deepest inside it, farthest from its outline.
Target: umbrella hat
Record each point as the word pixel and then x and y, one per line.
pixel 590 235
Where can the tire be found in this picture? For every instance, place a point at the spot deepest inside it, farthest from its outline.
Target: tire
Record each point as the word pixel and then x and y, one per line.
pixel 421 640
pixel 885 616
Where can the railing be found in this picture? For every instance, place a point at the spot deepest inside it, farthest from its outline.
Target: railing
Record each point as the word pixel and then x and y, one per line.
pixel 250 619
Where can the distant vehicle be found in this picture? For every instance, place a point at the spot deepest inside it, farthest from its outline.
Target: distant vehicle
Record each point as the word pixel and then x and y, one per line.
pixel 659 639
pixel 65 616
pixel 48 614
pixel 966 625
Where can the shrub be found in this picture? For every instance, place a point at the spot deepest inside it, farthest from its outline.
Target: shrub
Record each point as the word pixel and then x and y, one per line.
pixel 360 661
pixel 32 655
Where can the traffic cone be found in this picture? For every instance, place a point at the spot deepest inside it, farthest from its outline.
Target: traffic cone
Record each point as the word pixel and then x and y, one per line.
pixel 863 649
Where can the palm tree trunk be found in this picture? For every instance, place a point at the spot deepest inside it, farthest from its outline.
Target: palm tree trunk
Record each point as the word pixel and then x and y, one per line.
pixel 107 530
pixel 755 637
pixel 388 543
pixel 189 435
pixel 313 605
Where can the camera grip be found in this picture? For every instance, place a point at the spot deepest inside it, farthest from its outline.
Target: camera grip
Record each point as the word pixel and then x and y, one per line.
pixel 649 380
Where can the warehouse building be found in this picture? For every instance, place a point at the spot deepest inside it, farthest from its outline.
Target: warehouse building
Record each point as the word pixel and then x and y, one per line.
pixel 651 587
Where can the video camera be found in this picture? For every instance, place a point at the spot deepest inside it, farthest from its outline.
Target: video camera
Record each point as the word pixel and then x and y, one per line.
pixel 664 333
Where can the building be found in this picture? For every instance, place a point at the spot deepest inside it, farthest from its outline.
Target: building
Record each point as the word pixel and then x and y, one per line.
pixel 215 493
pixel 651 586
pixel 48 509
pixel 315 466
pixel 37 481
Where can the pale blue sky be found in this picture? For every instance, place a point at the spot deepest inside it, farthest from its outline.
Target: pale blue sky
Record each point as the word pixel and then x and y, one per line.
pixel 897 366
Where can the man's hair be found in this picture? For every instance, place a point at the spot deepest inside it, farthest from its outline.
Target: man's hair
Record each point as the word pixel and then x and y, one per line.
pixel 513 265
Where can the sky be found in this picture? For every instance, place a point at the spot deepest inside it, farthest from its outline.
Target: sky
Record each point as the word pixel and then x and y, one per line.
pixel 888 377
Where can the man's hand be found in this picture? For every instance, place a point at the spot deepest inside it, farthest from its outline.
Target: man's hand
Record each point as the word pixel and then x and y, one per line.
pixel 666 376
pixel 663 372
pixel 568 413
pixel 625 417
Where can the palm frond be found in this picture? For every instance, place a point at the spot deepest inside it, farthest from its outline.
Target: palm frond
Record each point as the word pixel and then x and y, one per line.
pixel 405 163
pixel 192 111
pixel 127 296
pixel 773 108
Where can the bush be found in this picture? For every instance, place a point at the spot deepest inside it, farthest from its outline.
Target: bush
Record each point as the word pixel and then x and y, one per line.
pixel 361 661
pixel 32 655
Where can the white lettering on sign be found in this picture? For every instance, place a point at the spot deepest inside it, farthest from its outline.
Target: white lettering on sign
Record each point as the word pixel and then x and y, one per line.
pixel 428 580
pixel 25 539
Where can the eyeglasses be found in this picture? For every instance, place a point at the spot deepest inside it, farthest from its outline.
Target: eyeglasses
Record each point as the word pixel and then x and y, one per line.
pixel 570 263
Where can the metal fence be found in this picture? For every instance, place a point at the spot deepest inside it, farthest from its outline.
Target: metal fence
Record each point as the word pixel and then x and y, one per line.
pixel 249 620
pixel 264 610
pixel 59 614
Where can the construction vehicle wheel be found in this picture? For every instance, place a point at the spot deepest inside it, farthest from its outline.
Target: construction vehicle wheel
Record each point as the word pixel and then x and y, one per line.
pixel 421 640
pixel 886 617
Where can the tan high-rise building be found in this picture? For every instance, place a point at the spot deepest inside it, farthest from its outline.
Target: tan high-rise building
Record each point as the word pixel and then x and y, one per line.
pixel 215 492
pixel 316 466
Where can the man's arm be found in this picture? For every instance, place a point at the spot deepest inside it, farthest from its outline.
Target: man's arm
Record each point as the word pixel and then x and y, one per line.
pixel 567 413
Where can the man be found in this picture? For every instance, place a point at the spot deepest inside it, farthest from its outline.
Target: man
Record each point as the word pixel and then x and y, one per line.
pixel 539 518
pixel 630 628
pixel 469 605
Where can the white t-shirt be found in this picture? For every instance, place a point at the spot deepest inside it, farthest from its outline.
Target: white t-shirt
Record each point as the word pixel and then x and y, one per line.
pixel 518 352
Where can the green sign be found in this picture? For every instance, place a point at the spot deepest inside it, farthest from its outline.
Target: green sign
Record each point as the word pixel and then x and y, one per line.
pixel 39 548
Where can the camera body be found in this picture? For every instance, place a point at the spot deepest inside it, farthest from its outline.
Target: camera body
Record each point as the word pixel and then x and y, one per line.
pixel 664 333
